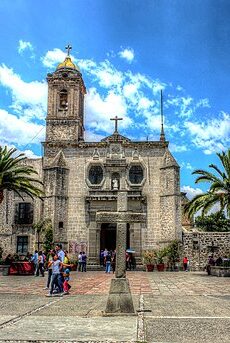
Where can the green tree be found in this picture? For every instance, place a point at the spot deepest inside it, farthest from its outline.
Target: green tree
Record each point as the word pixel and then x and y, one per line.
pixel 44 228
pixel 213 222
pixel 14 176
pixel 48 239
pixel 219 190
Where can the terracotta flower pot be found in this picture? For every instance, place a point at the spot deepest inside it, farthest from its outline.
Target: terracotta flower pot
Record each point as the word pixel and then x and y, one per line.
pixel 150 267
pixel 160 267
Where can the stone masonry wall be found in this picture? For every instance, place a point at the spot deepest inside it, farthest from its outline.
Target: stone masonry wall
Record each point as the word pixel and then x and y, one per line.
pixel 197 247
pixel 8 230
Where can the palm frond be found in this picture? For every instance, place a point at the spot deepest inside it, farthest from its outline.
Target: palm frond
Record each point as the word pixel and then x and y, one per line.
pixel 16 176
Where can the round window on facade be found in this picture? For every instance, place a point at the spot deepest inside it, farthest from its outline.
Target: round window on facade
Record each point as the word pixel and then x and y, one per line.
pixel 136 174
pixel 95 175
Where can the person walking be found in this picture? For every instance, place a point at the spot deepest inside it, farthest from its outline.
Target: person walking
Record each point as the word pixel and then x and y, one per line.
pixel 108 263
pixel 60 252
pixel 61 255
pixel 84 259
pixel 80 261
pixel 34 259
pixel 185 263
pixel 66 285
pixel 49 268
pixel 40 264
pixel 101 258
pixel 56 266
pixel 105 254
pixel 113 261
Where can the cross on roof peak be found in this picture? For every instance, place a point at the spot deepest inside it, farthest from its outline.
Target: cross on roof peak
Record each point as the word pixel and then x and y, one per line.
pixel 68 48
pixel 116 120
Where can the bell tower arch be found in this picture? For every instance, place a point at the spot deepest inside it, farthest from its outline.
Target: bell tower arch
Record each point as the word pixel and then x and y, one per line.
pixel 65 113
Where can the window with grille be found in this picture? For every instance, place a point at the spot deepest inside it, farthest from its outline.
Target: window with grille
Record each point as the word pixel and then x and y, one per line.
pixel 136 174
pixel 22 245
pixel 24 213
pixel 95 175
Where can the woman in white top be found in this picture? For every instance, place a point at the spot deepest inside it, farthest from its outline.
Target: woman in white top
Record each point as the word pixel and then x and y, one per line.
pixel 40 264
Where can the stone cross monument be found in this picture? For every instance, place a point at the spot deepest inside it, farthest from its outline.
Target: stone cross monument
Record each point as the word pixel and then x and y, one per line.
pixel 120 299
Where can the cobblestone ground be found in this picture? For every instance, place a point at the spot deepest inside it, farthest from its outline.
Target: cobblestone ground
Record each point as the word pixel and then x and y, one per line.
pixel 140 282
pixel 171 308
pixel 97 283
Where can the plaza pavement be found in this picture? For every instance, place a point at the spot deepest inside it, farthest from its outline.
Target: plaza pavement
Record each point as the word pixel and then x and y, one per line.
pixel 171 308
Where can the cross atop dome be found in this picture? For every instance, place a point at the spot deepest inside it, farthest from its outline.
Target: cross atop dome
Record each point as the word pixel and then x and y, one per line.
pixel 68 48
pixel 68 63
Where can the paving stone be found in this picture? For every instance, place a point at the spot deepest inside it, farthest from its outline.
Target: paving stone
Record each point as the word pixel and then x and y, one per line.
pixel 174 304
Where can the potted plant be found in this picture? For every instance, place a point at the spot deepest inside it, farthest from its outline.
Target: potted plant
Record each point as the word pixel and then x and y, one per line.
pixel 149 259
pixel 4 264
pixel 173 255
pixel 73 260
pixel 160 255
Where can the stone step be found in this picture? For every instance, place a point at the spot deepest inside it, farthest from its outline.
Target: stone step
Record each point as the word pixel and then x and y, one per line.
pixel 97 267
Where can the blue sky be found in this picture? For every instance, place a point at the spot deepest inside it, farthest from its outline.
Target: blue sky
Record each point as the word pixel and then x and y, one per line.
pixel 127 51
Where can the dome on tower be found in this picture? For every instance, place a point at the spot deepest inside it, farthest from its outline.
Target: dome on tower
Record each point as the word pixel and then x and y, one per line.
pixel 67 63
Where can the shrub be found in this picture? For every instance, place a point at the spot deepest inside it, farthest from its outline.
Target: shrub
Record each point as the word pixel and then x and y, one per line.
pixel 149 257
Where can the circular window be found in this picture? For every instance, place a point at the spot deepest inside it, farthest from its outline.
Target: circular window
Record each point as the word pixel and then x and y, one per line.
pixel 95 175
pixel 136 174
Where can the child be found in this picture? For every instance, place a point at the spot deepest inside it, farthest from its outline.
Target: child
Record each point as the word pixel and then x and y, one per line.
pixel 66 285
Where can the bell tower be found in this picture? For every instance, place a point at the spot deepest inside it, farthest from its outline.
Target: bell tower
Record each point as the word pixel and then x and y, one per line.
pixel 65 114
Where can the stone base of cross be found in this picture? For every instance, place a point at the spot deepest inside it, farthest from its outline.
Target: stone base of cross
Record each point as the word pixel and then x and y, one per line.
pixel 120 299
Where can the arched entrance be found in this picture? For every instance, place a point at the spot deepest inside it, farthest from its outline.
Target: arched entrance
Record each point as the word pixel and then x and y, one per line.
pixel 109 234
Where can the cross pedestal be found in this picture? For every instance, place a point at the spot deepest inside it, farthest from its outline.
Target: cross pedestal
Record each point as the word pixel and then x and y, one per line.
pixel 120 299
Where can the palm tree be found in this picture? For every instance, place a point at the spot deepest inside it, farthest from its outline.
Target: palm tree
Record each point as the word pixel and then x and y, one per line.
pixel 15 176
pixel 219 191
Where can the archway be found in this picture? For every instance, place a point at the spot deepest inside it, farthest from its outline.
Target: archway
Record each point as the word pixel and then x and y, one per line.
pixel 109 234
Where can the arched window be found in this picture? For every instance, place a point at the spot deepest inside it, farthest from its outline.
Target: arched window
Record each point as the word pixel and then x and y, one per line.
pixel 95 175
pixel 63 99
pixel 136 174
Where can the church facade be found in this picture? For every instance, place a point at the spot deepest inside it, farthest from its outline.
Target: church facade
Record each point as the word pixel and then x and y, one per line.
pixel 82 180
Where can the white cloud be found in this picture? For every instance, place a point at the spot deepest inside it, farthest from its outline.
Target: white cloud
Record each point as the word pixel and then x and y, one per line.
pixel 178 148
pixel 29 98
pixel 104 73
pixel 186 106
pixel 127 54
pixel 191 192
pixel 210 136
pixel 100 109
pixel 144 103
pixel 30 154
pixel 186 165
pixel 14 130
pixel 137 94
pixel 53 57
pixel 91 136
pixel 23 45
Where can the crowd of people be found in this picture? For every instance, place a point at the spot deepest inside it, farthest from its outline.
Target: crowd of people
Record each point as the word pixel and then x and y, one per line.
pixel 56 263
pixel 108 260
pixel 58 266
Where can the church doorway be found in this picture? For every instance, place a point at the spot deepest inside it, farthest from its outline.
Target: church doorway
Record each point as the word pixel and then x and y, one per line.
pixel 109 234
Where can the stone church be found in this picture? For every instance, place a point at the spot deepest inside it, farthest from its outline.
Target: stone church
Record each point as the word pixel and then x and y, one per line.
pixel 82 179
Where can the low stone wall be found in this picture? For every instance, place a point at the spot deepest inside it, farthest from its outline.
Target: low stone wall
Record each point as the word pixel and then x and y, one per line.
pixel 197 246
pixel 220 271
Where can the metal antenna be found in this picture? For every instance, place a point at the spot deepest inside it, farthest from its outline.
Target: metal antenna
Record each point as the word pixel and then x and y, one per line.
pixel 162 135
